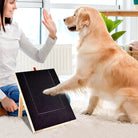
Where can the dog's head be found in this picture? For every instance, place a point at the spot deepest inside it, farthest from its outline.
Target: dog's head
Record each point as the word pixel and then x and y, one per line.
pixel 80 19
pixel 86 17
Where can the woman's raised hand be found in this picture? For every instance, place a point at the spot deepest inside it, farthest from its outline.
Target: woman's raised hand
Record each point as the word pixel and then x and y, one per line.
pixel 49 24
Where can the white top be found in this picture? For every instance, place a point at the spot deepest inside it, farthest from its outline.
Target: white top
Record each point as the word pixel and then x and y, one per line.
pixel 10 42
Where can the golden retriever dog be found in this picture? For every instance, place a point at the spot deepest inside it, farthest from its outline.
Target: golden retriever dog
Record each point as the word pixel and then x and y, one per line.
pixel 102 66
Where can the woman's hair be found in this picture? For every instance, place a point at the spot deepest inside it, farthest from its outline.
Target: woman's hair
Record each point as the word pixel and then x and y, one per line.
pixel 7 20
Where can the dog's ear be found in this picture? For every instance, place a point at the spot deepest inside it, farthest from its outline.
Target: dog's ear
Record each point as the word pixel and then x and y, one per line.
pixel 83 20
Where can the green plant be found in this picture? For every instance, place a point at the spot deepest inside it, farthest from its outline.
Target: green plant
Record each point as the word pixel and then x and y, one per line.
pixel 111 25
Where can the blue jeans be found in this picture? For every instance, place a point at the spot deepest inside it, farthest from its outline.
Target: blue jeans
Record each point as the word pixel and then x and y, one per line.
pixel 12 92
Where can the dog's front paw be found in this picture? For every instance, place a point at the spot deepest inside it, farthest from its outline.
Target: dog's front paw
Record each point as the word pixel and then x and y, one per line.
pixel 49 92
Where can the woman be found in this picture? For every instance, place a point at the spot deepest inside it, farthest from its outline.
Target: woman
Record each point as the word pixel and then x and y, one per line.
pixel 11 39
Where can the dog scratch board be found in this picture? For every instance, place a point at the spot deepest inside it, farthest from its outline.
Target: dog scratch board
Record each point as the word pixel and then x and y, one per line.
pixel 43 111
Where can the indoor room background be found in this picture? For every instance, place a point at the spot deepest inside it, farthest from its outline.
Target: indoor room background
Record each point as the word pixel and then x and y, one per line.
pixel 61 58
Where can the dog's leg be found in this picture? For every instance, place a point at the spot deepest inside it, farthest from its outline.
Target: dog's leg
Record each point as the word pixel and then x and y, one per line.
pixel 93 101
pixel 71 84
pixel 129 105
pixel 123 116
pixel 132 110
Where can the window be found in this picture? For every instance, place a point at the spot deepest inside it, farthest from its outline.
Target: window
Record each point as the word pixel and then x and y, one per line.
pixel 29 21
pixel 28 16
pixel 61 9
pixel 129 24
pixel 94 2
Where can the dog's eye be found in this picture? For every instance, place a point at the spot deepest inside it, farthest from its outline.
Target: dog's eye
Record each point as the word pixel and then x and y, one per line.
pixel 74 14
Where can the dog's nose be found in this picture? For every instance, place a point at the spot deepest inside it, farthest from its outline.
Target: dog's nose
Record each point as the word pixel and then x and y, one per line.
pixel 64 20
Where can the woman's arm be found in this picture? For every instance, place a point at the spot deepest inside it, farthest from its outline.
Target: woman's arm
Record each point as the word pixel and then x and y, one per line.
pixel 40 54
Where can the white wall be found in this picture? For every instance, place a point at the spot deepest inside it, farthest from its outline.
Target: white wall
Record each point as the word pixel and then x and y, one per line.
pixel 59 58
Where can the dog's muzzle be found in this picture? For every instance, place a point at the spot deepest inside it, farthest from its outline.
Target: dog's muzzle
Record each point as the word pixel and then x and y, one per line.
pixel 72 28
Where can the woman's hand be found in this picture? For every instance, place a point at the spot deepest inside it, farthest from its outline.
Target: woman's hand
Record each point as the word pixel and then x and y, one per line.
pixel 9 105
pixel 49 24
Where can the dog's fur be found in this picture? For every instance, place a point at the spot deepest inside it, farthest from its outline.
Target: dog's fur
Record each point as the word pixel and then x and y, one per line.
pixel 102 66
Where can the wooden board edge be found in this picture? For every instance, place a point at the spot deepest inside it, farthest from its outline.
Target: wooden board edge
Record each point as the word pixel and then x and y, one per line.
pixel 55 126
pixel 26 109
